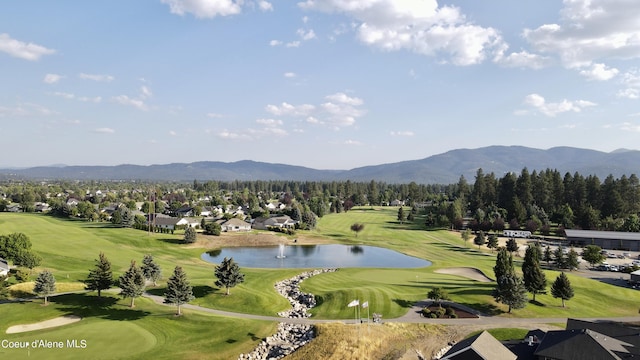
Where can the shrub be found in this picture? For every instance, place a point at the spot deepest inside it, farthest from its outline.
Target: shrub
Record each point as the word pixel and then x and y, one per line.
pixel 426 312
pixel 453 316
pixel 449 311
pixel 440 312
pixel 22 276
pixel 433 315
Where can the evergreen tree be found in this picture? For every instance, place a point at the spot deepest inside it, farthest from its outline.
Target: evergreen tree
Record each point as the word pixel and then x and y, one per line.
pixel 466 235
pixel 511 291
pixel 189 235
pixel 558 257
pixel 512 245
pixel 178 289
pixel 504 264
pixel 561 288
pixel 132 283
pixel 401 216
pixel 228 274
pixel 151 269
pixel 572 260
pixel 534 278
pixel 492 242
pixel 101 277
pixel 4 288
pixel 479 239
pixel 45 285
pixel 548 255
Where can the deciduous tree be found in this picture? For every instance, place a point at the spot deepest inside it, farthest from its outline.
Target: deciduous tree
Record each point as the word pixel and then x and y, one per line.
pixel 438 294
pixel 593 255
pixel 357 227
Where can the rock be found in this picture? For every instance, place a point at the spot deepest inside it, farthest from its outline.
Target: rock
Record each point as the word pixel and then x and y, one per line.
pixel 289 337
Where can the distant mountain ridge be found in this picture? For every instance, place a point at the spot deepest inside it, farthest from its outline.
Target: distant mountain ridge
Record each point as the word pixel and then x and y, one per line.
pixel 445 168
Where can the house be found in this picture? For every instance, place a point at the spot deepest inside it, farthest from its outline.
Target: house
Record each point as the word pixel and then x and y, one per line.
pixel 281 221
pixel 635 277
pixel 481 346
pixel 581 340
pixel 396 202
pixel 235 224
pixel 4 267
pixel 42 207
pixel 170 223
pixel 185 211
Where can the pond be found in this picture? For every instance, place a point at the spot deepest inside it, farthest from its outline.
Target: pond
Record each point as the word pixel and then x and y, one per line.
pixel 315 256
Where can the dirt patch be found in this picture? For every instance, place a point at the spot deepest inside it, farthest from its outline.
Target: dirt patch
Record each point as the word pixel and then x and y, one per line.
pixel 226 240
pixel 468 272
pixel 59 321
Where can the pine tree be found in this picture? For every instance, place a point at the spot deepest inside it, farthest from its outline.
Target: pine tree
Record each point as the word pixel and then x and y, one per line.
pixel 512 245
pixel 492 242
pixel 548 255
pixel 504 264
pixel 151 269
pixel 132 283
pixel 178 289
pixel 45 284
pixel 479 239
pixel 401 216
pixel 534 278
pixel 100 278
pixel 559 258
pixel 228 274
pixel 572 260
pixel 511 291
pixel 561 288
pixel 189 235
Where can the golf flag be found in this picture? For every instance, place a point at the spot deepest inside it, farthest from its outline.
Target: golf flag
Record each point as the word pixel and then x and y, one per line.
pixel 354 303
pixel 365 304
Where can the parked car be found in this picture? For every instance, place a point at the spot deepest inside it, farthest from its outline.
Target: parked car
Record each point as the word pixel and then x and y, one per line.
pixel 614 268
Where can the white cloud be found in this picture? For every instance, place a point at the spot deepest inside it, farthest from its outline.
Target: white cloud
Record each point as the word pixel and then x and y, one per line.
pixel 70 96
pixel 522 59
pixel 225 134
pixel 630 127
pixel 552 109
pixel 339 110
pixel 269 122
pixel 353 142
pixel 419 26
pixel 590 30
pixel 172 133
pixel 265 5
pixel 401 133
pixel 52 78
pixel 96 77
pixel 145 92
pixel 105 130
pixel 305 19
pixel 599 72
pixel 293 44
pixel 22 50
pixel 286 109
pixel 215 115
pixel 629 93
pixel 205 9
pixel 125 100
pixel 64 95
pixel 290 75
pixel 25 109
pixel 275 43
pixel 306 35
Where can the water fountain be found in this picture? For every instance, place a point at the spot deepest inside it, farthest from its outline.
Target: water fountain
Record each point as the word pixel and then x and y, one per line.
pixel 280 252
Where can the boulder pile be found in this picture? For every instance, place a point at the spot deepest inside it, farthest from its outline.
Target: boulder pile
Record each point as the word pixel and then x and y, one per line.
pixel 289 337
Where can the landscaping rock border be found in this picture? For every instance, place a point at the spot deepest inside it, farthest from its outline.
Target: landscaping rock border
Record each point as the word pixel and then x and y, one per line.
pixel 289 337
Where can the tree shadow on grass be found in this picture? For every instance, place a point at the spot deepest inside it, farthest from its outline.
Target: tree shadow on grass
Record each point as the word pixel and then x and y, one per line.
pixel 484 308
pixel 174 241
pixel 204 290
pixel 403 303
pixel 536 303
pixel 92 306
pixel 253 336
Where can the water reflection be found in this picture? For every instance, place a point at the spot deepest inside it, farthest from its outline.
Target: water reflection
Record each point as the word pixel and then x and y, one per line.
pixel 316 256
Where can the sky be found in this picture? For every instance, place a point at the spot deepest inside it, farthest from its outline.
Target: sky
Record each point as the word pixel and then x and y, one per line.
pixel 326 84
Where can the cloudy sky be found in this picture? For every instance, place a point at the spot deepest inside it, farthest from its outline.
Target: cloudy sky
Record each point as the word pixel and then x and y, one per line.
pixel 328 84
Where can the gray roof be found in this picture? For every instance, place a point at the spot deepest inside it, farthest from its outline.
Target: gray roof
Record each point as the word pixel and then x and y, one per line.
pixel 4 264
pixel 581 344
pixel 609 235
pixel 481 346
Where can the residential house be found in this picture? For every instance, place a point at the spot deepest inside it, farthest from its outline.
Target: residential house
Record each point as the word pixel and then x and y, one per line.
pixel 4 267
pixel 170 223
pixel 185 211
pixel 481 346
pixel 235 224
pixel 14 208
pixel 42 207
pixel 396 202
pixel 281 221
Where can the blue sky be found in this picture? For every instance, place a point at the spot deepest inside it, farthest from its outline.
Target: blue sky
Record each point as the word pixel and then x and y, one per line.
pixel 332 84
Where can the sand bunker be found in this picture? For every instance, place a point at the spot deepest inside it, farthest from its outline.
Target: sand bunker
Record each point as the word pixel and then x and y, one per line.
pixel 59 321
pixel 468 272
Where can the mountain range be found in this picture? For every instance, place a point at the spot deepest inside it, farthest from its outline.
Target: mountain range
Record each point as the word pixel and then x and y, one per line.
pixel 445 168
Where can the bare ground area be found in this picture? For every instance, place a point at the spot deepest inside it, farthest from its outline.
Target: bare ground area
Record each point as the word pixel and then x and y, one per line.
pixel 468 272
pixel 253 239
pixel 59 321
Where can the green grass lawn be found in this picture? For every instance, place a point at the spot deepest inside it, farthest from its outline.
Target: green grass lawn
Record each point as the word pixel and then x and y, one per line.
pixel 112 330
pixel 69 247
